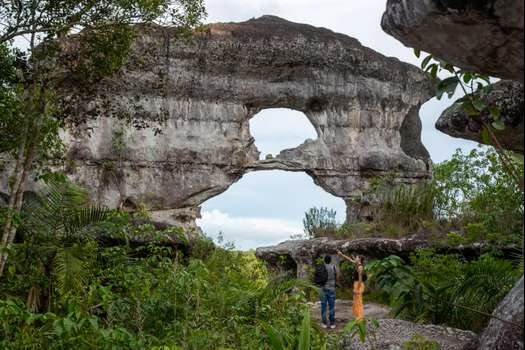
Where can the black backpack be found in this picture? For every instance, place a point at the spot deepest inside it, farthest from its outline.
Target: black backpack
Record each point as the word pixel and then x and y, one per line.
pixel 320 275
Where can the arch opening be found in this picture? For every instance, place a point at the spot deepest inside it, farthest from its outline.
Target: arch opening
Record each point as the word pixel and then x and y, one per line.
pixel 277 129
pixel 265 208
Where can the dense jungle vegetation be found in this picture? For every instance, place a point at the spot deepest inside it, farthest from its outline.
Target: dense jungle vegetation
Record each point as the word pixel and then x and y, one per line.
pixel 82 276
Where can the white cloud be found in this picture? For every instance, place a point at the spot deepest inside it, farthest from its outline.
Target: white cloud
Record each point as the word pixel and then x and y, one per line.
pixel 247 232
pixel 275 194
pixel 277 129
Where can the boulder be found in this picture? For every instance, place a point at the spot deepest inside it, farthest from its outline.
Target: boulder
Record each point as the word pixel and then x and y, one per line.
pixel 507 96
pixel 501 335
pixel 477 35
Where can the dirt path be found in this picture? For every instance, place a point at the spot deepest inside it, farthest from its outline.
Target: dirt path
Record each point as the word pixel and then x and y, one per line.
pixel 343 312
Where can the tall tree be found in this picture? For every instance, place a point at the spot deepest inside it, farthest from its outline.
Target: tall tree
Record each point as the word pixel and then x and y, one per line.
pixel 27 110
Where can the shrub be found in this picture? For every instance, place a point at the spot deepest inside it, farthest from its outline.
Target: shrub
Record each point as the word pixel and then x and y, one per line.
pixel 419 342
pixel 407 206
pixel 445 289
pixel 320 222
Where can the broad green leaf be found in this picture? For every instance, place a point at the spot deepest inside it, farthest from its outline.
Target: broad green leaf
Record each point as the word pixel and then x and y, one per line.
pixel 448 86
pixel 498 125
pixel 425 62
pixel 274 338
pixel 434 71
pixel 467 77
pixel 495 112
pixel 468 108
pixel 304 337
pixel 479 104
pixel 362 330
pixel 417 53
pixel 448 67
pixel 485 136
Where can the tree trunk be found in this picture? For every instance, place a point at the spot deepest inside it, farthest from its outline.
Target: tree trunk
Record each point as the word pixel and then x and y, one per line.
pixel 24 162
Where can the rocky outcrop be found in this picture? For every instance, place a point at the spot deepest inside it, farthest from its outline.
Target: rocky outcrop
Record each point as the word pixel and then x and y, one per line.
pixel 500 335
pixel 297 257
pixel 486 37
pixel 480 36
pixel 392 333
pixel 507 96
pixel 197 96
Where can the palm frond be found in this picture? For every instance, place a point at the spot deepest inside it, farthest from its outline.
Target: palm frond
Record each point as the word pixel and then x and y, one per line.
pixel 72 266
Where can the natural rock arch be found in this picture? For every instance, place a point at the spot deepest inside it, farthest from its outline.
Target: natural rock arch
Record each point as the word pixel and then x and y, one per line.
pixel 201 94
pixel 269 120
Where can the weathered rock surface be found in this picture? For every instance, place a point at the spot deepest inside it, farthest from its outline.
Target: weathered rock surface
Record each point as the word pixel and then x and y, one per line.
pixel 392 333
pixel 297 257
pixel 481 36
pixel 508 97
pixel 200 94
pixel 501 335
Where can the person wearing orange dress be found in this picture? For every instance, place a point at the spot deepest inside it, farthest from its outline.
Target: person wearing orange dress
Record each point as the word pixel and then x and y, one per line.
pixel 359 285
pixel 359 288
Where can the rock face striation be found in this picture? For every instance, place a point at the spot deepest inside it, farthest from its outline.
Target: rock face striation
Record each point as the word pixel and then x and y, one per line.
pixel 480 36
pixel 197 97
pixel 477 35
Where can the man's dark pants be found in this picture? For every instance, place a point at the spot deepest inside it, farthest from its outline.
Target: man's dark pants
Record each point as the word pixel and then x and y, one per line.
pixel 328 299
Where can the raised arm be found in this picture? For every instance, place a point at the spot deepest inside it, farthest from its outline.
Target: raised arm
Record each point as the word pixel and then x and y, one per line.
pixel 349 258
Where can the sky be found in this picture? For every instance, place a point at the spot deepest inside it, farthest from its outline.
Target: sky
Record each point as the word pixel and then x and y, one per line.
pixel 266 208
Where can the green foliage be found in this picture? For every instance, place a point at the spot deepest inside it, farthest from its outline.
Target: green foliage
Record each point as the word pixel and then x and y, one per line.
pixel 302 342
pixel 406 206
pixel 364 329
pixel 93 296
pixel 346 269
pixel 57 18
pixel 445 289
pixel 419 342
pixel 10 125
pixel 474 85
pixel 356 230
pixel 138 303
pixel 103 52
pixel 57 227
pixel 474 190
pixel 454 239
pixel 320 222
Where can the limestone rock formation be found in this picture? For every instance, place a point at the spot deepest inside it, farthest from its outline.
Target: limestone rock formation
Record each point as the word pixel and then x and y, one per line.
pixel 170 129
pixel 508 97
pixel 480 36
pixel 501 335
pixel 297 257
pixel 392 333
